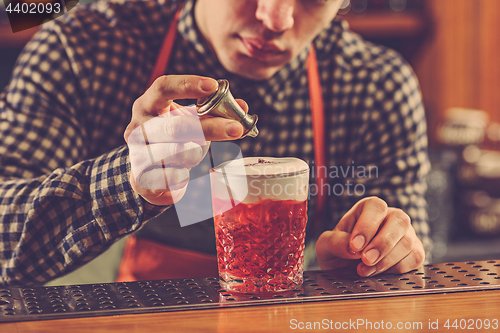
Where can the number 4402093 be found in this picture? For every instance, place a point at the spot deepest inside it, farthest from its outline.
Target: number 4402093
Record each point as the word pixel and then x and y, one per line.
pixel 34 8
pixel 472 324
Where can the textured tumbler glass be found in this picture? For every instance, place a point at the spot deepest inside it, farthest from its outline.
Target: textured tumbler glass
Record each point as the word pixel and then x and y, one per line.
pixel 260 214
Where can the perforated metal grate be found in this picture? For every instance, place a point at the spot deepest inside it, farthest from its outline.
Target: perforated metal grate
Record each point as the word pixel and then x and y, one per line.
pixel 41 303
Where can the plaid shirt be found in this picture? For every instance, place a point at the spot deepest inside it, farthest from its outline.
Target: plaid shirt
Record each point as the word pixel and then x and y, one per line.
pixel 64 168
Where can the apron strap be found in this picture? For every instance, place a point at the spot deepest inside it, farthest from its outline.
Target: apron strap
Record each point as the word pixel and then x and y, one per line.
pixel 165 51
pixel 318 123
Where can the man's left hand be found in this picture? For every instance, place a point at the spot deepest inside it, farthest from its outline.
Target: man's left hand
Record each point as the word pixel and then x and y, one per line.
pixel 381 237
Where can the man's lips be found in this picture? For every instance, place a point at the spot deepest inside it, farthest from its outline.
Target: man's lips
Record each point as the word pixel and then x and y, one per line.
pixel 260 49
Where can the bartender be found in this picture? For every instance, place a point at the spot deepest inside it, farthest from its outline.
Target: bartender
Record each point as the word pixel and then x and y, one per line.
pixel 87 80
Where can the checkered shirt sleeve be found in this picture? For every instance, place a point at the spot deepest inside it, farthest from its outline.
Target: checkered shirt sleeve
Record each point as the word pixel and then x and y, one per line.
pixel 65 194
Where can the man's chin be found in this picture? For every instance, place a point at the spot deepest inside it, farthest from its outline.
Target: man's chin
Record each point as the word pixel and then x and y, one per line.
pixel 253 77
pixel 252 69
pixel 255 74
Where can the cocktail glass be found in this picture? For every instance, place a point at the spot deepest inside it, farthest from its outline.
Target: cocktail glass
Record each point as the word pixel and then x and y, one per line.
pixel 260 214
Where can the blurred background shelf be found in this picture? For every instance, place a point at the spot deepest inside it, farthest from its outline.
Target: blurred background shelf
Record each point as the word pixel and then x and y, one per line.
pixel 387 25
pixel 472 250
pixel 377 25
pixel 8 39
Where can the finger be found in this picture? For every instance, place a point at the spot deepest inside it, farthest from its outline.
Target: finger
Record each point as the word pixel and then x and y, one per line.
pixel 165 166
pixel 169 87
pixel 186 128
pixel 333 246
pixel 412 261
pixel 170 129
pixel 219 129
pixel 187 154
pixel 242 104
pixel 396 225
pixel 214 130
pixel 163 177
pixel 180 110
pixel 365 219
pixel 408 254
pixel 163 196
pixel 138 120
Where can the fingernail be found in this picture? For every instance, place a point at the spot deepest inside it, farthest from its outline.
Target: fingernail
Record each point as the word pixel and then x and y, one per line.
pixel 358 242
pixel 208 85
pixel 368 270
pixel 372 255
pixel 233 129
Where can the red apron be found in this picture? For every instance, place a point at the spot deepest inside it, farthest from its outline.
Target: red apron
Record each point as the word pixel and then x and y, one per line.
pixel 148 260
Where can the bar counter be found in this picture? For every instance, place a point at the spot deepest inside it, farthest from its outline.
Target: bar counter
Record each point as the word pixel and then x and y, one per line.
pixel 438 298
pixel 421 310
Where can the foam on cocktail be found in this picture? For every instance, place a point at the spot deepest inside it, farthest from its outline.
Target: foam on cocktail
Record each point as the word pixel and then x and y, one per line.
pixel 253 179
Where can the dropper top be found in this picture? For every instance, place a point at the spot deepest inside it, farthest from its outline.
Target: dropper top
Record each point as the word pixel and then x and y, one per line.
pixel 222 104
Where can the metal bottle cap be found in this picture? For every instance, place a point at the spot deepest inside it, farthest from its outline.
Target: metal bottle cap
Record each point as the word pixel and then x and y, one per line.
pixel 222 104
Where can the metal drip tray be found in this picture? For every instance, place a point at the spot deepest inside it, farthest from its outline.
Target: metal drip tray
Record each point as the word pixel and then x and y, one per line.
pixel 91 300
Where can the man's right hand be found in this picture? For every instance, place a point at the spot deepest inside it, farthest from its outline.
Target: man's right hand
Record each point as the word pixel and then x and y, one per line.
pixel 166 140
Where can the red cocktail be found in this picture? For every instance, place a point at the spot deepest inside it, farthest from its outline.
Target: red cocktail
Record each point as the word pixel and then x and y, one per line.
pixel 260 246
pixel 261 238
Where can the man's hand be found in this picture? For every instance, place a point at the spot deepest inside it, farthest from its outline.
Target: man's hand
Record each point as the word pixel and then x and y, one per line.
pixel 382 237
pixel 166 140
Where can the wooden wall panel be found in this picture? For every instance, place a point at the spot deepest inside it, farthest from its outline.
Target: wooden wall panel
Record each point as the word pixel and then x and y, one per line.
pixel 458 65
